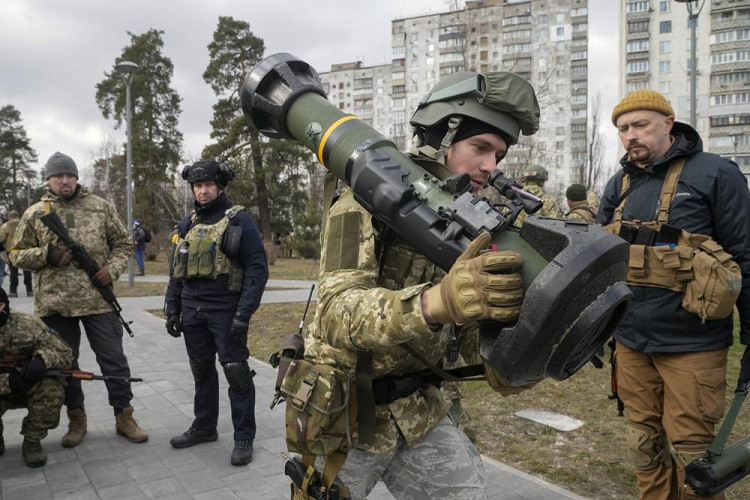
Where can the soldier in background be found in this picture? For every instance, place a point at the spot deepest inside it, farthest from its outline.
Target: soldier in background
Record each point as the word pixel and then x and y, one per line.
pixel 578 204
pixel 66 297
pixel 6 235
pixel 27 342
pixel 219 272
pixel 533 181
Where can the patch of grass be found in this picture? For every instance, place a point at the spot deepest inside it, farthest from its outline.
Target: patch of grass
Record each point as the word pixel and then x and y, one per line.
pixel 296 269
pixel 140 289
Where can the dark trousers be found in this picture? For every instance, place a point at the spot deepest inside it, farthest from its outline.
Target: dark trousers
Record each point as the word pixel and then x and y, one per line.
pixel 104 332
pixel 207 333
pixel 14 279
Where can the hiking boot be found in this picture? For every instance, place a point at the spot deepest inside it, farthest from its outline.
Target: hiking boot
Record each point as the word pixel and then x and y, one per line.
pixel 33 453
pixel 127 426
pixel 76 428
pixel 242 453
pixel 193 436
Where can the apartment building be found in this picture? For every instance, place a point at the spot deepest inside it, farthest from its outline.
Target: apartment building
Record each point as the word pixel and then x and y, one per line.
pixel 546 41
pixel 656 42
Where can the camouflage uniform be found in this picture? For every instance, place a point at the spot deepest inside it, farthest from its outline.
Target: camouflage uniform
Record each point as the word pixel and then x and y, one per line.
pixel 361 307
pixel 93 223
pixel 550 208
pixel 22 338
pixel 580 211
pixel 66 295
pixel 593 200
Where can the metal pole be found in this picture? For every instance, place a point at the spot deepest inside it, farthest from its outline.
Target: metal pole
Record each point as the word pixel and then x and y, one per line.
pixel 129 180
pixel 693 69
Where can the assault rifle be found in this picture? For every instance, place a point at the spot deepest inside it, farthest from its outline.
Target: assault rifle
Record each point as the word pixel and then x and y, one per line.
pixel 6 366
pixel 87 263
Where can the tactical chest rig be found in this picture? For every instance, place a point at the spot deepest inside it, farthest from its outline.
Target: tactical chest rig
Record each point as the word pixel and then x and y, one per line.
pixel 199 254
pixel 664 256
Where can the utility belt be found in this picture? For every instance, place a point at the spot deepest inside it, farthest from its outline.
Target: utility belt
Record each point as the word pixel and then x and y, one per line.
pixel 388 389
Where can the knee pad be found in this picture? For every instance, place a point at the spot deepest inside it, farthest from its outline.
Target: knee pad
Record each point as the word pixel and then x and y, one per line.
pixel 686 453
pixel 202 369
pixel 239 375
pixel 646 446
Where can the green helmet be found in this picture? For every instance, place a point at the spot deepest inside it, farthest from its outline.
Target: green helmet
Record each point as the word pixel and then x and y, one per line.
pixel 537 172
pixel 502 100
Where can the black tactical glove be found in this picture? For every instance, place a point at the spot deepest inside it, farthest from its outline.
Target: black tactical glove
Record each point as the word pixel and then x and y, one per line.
pixel 744 378
pixel 174 325
pixel 239 328
pixel 33 371
pixel 19 386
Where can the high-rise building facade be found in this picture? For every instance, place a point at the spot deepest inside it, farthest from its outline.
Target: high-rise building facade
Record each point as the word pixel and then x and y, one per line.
pixel 545 41
pixel 656 42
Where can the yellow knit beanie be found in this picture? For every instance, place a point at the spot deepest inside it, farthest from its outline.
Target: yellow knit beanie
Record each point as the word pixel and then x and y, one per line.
pixel 642 99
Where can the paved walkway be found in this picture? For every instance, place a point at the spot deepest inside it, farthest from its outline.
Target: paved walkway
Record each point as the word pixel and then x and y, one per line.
pixel 107 466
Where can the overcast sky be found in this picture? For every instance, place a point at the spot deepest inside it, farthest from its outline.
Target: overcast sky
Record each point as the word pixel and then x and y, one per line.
pixel 54 52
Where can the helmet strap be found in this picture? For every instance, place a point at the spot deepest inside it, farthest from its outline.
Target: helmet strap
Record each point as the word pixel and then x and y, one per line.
pixel 445 144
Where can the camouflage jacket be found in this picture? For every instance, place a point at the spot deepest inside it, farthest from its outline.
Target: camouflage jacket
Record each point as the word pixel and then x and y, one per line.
pixel 6 232
pixel 550 208
pixel 25 336
pixel 593 200
pixel 92 222
pixel 361 307
pixel 580 211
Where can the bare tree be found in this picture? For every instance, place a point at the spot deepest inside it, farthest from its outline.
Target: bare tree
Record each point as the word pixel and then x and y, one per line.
pixel 596 147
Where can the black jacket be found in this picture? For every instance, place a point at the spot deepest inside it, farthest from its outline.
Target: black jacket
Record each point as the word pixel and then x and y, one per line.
pixel 213 294
pixel 712 198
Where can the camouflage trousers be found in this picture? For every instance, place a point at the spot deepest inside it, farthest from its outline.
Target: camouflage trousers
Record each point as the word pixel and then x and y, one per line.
pixel 43 402
pixel 445 464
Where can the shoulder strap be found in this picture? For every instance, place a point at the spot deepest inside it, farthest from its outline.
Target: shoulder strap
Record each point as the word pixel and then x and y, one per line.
pixel 668 189
pixel 330 182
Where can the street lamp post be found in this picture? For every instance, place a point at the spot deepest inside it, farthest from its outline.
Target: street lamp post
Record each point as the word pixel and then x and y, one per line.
pixel 128 68
pixel 736 139
pixel 694 8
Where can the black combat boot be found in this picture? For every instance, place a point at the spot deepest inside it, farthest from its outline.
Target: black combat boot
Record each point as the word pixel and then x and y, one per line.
pixel 193 436
pixel 242 453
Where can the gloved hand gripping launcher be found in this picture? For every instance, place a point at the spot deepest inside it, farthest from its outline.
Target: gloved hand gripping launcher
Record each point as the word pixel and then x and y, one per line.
pixel 573 273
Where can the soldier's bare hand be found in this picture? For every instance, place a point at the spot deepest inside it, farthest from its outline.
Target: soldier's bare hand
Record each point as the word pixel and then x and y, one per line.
pixel 59 257
pixel 102 277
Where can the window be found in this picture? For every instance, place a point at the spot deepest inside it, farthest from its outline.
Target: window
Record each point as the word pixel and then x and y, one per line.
pixel 737 98
pixel 637 26
pixel 664 6
pixel 665 67
pixel 637 67
pixel 560 31
pixel 665 87
pixel 541 19
pixel 665 26
pixel 637 86
pixel 637 6
pixel 665 47
pixel 559 130
pixel 637 46
pixel 578 56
